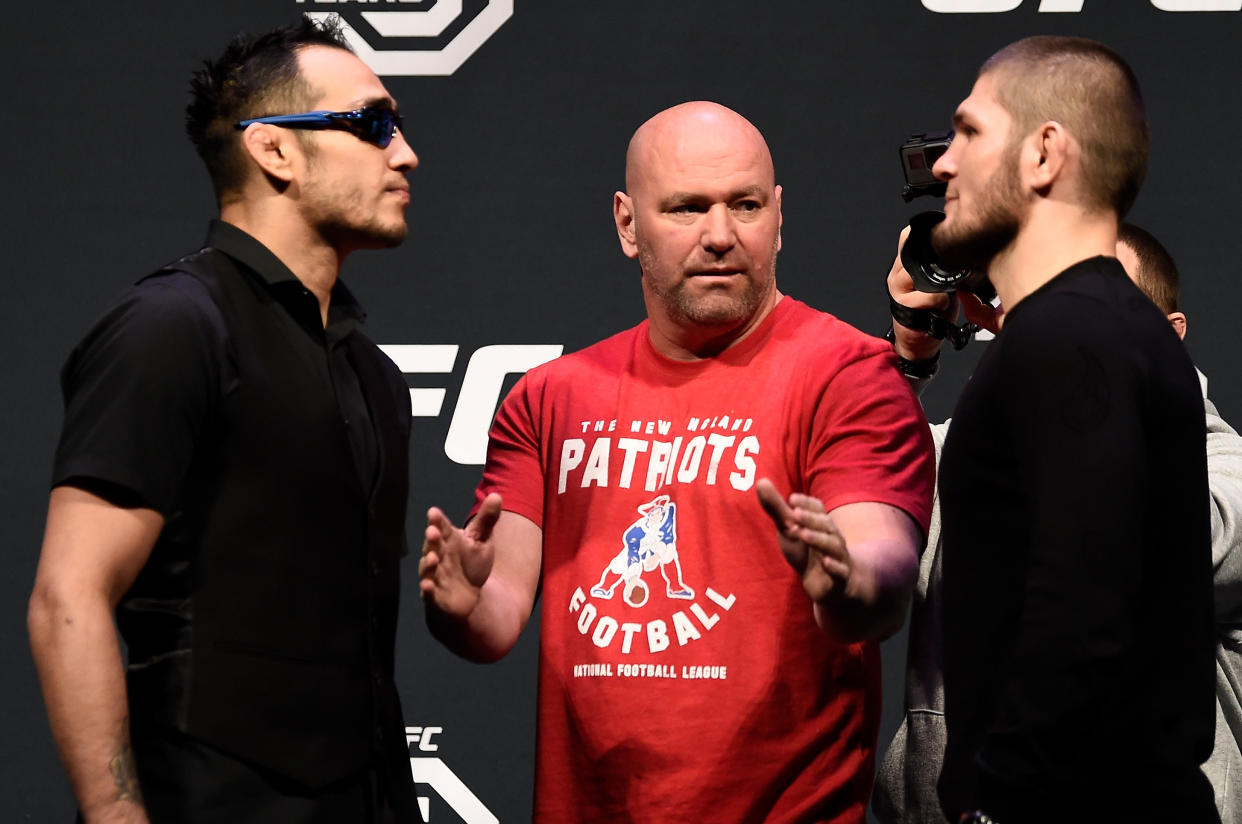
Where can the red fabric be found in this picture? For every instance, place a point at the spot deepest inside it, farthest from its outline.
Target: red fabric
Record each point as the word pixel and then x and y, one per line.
pixel 598 448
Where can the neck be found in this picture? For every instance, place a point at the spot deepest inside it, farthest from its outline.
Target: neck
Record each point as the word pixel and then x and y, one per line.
pixel 313 261
pixel 1053 238
pixel 690 341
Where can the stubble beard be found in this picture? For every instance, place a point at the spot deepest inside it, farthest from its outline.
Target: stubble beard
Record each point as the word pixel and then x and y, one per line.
pixel 340 215
pixel 717 307
pixel 974 246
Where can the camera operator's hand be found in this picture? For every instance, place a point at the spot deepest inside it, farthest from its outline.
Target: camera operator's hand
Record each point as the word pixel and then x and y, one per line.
pixel 984 315
pixel 909 343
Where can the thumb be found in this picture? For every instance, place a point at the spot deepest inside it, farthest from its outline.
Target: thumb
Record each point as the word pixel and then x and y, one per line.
pixel 773 504
pixel 485 519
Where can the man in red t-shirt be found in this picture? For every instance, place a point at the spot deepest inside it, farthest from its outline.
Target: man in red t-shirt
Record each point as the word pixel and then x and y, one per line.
pixel 699 661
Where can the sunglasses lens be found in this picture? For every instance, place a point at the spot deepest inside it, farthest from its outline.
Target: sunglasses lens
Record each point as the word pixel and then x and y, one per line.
pixel 378 126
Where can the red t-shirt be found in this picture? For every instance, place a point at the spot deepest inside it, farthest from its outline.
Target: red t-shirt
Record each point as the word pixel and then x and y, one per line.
pixel 682 675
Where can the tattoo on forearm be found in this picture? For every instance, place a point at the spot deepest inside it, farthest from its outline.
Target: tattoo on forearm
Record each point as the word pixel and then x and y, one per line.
pixel 124 771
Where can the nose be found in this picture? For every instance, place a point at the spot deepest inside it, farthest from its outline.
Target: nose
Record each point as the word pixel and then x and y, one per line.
pixel 945 166
pixel 719 235
pixel 401 154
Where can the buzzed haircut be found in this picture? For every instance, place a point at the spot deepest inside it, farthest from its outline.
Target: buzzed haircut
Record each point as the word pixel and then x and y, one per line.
pixel 1091 91
pixel 256 76
pixel 1157 273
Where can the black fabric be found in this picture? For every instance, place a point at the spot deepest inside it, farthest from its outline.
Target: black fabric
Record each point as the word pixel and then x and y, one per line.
pixel 263 624
pixel 1077 579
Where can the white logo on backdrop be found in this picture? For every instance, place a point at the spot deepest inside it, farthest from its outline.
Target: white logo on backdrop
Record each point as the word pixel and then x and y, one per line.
pixel 480 388
pixel 989 6
pixel 426 23
pixel 434 773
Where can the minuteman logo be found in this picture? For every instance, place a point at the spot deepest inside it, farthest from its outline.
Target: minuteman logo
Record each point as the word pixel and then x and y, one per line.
pixel 649 542
pixel 395 40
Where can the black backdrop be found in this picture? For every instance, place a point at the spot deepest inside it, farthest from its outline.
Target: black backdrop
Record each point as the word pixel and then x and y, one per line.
pixel 512 243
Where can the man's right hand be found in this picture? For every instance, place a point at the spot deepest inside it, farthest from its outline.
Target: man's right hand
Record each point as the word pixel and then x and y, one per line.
pixel 909 343
pixel 456 563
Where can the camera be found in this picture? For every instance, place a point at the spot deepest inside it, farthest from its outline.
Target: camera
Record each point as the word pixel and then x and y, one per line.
pixel 918 154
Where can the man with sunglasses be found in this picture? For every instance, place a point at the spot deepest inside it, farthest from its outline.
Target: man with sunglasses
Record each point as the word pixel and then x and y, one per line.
pixel 232 475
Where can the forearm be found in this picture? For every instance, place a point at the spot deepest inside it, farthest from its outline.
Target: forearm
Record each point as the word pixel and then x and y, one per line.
pixel 492 627
pixel 874 602
pixel 79 662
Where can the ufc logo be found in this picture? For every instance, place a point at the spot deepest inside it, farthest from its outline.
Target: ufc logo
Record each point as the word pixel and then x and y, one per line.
pixel 989 6
pixel 486 371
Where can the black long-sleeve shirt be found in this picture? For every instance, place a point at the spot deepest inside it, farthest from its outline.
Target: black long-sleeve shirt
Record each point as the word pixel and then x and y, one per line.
pixel 1078 668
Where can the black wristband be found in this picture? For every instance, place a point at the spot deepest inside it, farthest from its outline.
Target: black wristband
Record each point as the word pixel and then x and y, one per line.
pixel 916 369
pixel 929 323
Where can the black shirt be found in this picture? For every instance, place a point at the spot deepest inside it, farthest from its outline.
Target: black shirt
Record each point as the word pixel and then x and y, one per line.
pixel 1078 646
pixel 140 386
pixel 263 623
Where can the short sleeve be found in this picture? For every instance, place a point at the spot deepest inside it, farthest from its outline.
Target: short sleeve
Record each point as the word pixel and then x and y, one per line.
pixel 138 390
pixel 870 440
pixel 514 468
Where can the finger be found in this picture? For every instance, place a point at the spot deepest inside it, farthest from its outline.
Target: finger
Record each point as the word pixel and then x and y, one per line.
pixel 982 314
pixel 828 543
pixel 773 504
pixel 835 568
pixel 817 520
pixel 433 538
pixel 485 518
pixel 807 502
pixel 437 518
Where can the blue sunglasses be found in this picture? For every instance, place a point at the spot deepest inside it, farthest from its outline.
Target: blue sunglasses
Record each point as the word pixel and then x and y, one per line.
pixel 372 124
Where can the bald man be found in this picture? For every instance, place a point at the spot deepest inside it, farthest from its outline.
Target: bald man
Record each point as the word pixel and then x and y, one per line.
pixel 700 660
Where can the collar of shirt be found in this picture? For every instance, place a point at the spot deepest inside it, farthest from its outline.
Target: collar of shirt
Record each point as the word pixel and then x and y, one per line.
pixel 344 311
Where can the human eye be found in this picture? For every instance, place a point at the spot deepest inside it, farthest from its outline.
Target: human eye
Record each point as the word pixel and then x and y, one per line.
pixel 747 207
pixel 684 209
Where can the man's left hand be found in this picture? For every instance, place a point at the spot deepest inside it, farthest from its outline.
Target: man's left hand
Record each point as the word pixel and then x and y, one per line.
pixel 809 540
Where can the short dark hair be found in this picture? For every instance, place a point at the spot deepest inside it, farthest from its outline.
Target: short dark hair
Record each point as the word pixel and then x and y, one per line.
pixel 1157 273
pixel 1090 90
pixel 257 75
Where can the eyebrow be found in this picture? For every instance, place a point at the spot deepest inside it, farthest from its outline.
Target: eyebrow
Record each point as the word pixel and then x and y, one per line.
pixel 746 191
pixel 375 103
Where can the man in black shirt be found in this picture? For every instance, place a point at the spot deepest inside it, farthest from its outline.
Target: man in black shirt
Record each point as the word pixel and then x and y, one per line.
pixel 231 479
pixel 1077 605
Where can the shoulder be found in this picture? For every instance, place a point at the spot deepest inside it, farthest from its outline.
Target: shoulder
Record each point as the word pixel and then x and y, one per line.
pixel 1091 313
pixel 161 317
pixel 822 334
pixel 824 348
pixel 1091 299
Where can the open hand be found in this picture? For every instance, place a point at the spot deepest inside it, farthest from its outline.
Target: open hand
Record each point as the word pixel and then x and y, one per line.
pixel 809 540
pixel 456 563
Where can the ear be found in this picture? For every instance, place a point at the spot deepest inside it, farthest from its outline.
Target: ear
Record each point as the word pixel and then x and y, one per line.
pixel 623 216
pixel 1179 324
pixel 1046 155
pixel 271 150
pixel 780 218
